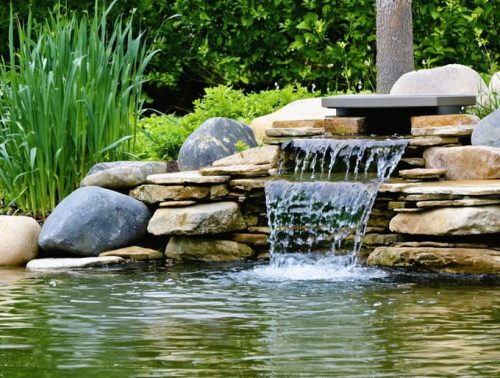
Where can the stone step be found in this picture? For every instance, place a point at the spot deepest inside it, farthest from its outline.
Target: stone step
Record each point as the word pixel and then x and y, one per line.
pixel 422 173
pixel 135 253
pixel 186 177
pixel 243 170
pixel 73 263
pixel 256 155
pixel 295 132
pixel 458 188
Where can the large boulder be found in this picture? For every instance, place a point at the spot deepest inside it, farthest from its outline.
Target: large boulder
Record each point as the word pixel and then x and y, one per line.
pixel 215 139
pixel 449 221
pixel 307 109
pixel 18 240
pixel 209 218
pixel 92 220
pixel 442 260
pixel 465 162
pixel 197 249
pixel 453 79
pixel 487 131
pixel 122 174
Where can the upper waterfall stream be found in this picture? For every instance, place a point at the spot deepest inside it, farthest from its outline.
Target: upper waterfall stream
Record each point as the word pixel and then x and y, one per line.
pixel 319 208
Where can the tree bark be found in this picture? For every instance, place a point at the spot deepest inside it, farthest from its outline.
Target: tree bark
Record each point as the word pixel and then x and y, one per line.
pixel 394 42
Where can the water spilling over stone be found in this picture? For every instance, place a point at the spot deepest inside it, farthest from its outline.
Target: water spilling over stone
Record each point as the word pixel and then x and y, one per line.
pixel 322 206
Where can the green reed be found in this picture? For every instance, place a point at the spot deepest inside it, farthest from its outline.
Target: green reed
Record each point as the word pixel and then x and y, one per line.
pixel 70 97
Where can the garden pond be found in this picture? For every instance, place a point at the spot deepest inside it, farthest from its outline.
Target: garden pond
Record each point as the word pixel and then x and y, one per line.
pixel 248 319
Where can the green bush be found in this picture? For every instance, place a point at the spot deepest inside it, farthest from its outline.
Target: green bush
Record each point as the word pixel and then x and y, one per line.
pixel 71 94
pixel 162 135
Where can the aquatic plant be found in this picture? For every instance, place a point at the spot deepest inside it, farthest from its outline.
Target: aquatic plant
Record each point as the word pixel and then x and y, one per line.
pixel 70 97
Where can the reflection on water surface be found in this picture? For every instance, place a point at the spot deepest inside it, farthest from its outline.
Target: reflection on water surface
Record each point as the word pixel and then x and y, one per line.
pixel 208 320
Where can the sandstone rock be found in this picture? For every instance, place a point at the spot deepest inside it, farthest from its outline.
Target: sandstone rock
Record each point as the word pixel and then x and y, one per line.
pixel 250 184
pixel 432 141
pixel 18 240
pixel 215 139
pixel 243 170
pixel 461 130
pixel 92 220
pixel 255 239
pixel 381 239
pixel 465 162
pixel 201 219
pixel 445 260
pixel 152 194
pixel 256 155
pixel 453 79
pixel 298 123
pixel 415 162
pixel 445 188
pixel 487 131
pixel 176 203
pixel 218 191
pixel 294 132
pixel 307 109
pixel 196 249
pixel 449 221
pixel 443 120
pixel 494 85
pixel 135 253
pixel 122 174
pixel 73 263
pixel 419 173
pixel 261 230
pixel 458 202
pixel 187 177
pixel 345 125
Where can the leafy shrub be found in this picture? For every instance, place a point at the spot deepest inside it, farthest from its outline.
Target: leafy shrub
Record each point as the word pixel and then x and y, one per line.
pixel 71 94
pixel 162 135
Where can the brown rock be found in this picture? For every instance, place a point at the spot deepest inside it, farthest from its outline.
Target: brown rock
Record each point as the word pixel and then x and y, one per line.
pixel 458 202
pixel 177 203
pixel 462 130
pixel 250 184
pixel 465 162
pixel 445 260
pixel 197 249
pixel 299 124
pixel 256 155
pixel 345 125
pixel 445 188
pixel 256 239
pixel 445 120
pixel 416 162
pixel 218 191
pixel 135 253
pixel 151 194
pixel 449 221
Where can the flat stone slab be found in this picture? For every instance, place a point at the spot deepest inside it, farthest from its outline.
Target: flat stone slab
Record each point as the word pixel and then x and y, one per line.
pixel 462 188
pixel 73 263
pixel 198 249
pixel 443 120
pixel 396 101
pixel 256 155
pixel 448 221
pixel 187 177
pixel 298 123
pixel 250 184
pixel 294 132
pixel 345 125
pixel 135 253
pixel 443 260
pixel 422 173
pixel 461 130
pixel 428 141
pixel 151 194
pixel 177 203
pixel 458 202
pixel 210 218
pixel 244 170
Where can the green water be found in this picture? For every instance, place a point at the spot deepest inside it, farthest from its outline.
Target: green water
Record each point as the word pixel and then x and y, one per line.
pixel 213 321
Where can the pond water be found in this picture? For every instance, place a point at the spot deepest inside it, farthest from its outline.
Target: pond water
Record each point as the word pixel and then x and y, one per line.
pixel 246 320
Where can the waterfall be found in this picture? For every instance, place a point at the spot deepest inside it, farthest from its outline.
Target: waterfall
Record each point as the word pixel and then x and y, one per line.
pixel 320 205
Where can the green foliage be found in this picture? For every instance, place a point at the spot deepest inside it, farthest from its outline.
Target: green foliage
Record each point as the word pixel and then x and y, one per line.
pixel 162 136
pixel 241 145
pixel 71 94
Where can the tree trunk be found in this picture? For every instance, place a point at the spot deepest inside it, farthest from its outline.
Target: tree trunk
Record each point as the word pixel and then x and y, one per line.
pixel 394 42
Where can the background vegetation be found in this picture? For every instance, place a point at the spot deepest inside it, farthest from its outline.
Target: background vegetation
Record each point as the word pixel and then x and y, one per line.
pixel 252 45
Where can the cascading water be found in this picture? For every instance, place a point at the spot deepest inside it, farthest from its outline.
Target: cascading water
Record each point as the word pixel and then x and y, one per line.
pixel 319 210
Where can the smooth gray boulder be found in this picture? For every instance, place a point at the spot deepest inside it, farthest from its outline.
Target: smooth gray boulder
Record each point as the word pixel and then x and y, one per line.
pixel 122 174
pixel 92 220
pixel 452 79
pixel 487 131
pixel 215 139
